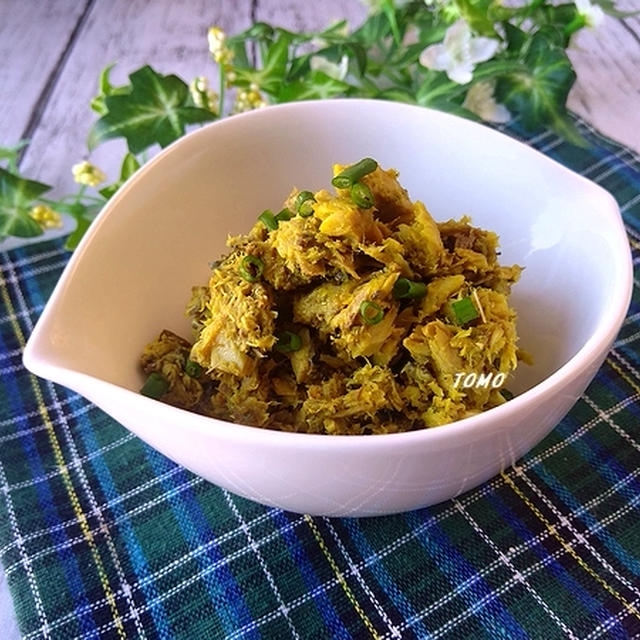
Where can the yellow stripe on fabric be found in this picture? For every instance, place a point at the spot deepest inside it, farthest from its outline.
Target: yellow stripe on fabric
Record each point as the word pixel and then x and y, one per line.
pixel 343 583
pixel 64 472
pixel 569 549
pixel 618 369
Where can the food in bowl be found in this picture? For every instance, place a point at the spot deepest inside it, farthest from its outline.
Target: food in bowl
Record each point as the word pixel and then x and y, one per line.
pixel 348 312
pixel 155 237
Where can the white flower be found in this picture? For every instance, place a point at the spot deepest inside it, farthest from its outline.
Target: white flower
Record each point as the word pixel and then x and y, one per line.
pixel 203 96
pixel 480 100
pixel 593 14
pixel 217 40
pixel 338 71
pixel 459 52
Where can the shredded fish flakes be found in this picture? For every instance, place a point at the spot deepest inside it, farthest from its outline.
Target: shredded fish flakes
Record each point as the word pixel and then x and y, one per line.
pixel 334 317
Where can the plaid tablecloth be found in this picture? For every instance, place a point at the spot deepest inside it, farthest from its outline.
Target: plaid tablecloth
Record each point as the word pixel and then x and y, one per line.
pixel 102 537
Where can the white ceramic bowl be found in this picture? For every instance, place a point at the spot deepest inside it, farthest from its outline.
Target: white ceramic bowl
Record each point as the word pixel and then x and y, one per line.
pixel 132 274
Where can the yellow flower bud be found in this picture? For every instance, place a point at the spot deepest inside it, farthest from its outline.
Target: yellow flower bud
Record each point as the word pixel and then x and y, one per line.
pixel 88 174
pixel 46 217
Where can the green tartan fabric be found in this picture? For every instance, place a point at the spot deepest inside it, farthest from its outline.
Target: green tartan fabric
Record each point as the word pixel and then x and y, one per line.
pixel 103 537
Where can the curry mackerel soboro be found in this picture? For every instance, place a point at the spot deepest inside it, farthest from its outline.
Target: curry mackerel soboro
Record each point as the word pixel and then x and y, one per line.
pixel 351 312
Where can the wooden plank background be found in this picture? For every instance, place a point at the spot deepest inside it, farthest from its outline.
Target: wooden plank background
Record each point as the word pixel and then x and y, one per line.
pixel 53 51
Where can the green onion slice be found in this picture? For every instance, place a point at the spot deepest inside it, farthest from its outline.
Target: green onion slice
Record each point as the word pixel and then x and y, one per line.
pixel 371 312
pixel 251 268
pixel 284 214
pixel 405 288
pixel 288 341
pixel 155 386
pixel 349 176
pixel 506 394
pixel 464 310
pixel 268 219
pixel 362 196
pixel 192 369
pixel 304 203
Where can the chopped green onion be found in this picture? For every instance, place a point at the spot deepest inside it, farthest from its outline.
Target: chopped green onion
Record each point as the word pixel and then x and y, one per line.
pixel 192 369
pixel 371 312
pixel 349 176
pixel 362 196
pixel 464 310
pixel 405 288
pixel 506 394
pixel 251 268
pixel 155 386
pixel 284 214
pixel 288 341
pixel 304 203
pixel 268 219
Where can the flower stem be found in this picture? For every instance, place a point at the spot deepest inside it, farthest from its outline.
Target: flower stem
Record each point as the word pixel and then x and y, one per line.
pixel 223 82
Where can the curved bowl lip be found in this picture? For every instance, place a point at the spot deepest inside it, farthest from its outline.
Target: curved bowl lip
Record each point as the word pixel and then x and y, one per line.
pixel 589 354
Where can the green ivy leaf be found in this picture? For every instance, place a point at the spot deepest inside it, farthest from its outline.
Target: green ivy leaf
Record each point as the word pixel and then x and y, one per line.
pixel 537 90
pixel 105 88
pixel 17 197
pixel 10 154
pixel 317 85
pixel 516 37
pixel 156 110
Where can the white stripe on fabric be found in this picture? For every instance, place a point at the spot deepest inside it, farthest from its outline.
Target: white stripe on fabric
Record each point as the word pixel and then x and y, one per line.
pixel 25 561
pixel 261 561
pixel 355 571
pixel 516 574
pixel 57 408
pixel 563 521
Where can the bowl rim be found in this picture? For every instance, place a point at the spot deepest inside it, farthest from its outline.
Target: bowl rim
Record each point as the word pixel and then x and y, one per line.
pixel 595 348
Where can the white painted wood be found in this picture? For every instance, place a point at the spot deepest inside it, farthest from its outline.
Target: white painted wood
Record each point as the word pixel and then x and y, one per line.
pixel 33 36
pixel 607 91
pixel 171 36
pixel 304 15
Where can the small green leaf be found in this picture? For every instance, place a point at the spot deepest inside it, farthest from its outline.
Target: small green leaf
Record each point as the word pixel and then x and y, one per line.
pixel 155 111
pixel 17 196
pixel 274 68
pixel 516 37
pixel 335 33
pixel 397 95
pixel 478 14
pixel 105 88
pixel 373 30
pixel 82 224
pixel 84 214
pixel 359 53
pixel 318 85
pixel 10 154
pixel 129 166
pixel 389 11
